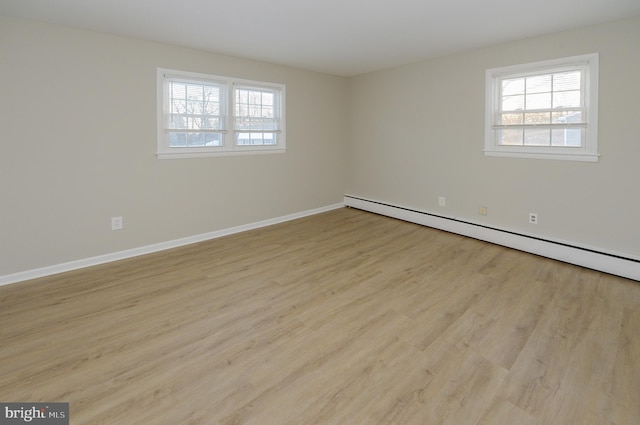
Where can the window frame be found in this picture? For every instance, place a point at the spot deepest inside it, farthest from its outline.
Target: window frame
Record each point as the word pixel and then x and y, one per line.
pixel 277 119
pixel 588 151
pixel 227 106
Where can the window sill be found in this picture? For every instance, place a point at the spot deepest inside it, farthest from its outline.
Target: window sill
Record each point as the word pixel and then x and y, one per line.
pixel 185 155
pixel 583 157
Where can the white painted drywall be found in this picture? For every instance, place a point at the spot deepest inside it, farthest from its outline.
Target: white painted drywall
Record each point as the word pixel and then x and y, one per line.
pixel 78 132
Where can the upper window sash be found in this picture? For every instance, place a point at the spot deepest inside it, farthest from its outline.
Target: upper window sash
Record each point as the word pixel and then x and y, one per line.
pixel 194 105
pixel 542 100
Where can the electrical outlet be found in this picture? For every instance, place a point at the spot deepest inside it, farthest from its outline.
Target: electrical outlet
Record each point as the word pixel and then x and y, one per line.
pixel 483 211
pixel 116 223
pixel 533 218
pixel 442 201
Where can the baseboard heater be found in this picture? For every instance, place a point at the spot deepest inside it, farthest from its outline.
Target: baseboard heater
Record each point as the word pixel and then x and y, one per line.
pixel 561 251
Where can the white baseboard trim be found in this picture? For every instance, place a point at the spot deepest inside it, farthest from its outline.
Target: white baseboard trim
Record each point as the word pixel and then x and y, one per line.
pixel 121 255
pixel 569 253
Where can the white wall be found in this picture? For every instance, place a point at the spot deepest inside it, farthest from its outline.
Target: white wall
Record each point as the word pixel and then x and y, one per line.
pixel 417 131
pixel 78 140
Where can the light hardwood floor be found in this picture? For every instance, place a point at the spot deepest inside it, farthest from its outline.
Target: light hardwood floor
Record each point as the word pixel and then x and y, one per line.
pixel 341 318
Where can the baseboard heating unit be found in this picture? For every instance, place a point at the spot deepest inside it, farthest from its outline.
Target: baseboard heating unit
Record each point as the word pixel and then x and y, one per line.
pixel 561 251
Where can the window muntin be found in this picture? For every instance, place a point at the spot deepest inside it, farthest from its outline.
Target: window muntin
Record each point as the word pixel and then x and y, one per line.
pixel 202 115
pixel 543 110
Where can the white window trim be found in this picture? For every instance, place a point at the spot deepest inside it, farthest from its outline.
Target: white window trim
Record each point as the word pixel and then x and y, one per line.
pixel 588 152
pixel 229 148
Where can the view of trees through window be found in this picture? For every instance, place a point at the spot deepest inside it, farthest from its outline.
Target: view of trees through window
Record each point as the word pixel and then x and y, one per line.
pixel 207 115
pixel 195 116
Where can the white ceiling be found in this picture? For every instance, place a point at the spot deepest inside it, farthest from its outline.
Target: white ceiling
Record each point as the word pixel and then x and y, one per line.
pixel 342 37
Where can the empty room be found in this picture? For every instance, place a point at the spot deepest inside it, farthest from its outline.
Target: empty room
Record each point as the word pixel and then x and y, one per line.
pixel 292 212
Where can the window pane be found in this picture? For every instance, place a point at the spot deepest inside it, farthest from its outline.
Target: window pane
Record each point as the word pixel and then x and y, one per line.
pixel 510 137
pixel 195 139
pixel 213 139
pixel 192 123
pixel 178 106
pixel 539 101
pixel 536 137
pixel 242 96
pixel 211 123
pixel 178 90
pixel 512 86
pixel 565 117
pixel 211 93
pixel 539 84
pixel 177 140
pixel 260 139
pixel 256 124
pixel 177 122
pixel 255 139
pixel 571 137
pixel 566 99
pixel 212 108
pixel 511 119
pixel 243 139
pixel 194 92
pixel 567 81
pixel 537 118
pixel 194 107
pixel 512 103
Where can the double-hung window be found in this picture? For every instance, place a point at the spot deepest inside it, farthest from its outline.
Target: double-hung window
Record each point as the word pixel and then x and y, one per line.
pixel 256 120
pixel 544 110
pixel 204 115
